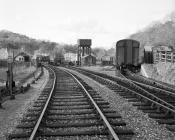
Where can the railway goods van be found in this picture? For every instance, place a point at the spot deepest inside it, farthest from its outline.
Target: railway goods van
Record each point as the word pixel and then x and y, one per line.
pixel 127 53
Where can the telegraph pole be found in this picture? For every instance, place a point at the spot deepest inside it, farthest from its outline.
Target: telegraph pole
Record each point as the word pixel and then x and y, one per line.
pixel 10 72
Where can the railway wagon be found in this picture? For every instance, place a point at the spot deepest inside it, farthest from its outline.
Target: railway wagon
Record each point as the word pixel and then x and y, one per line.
pixel 127 54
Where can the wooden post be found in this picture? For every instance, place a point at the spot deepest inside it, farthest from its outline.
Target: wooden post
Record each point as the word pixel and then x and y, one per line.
pixel 12 96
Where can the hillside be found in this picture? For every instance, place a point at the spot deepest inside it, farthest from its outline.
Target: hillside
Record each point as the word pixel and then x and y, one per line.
pixel 10 36
pixel 158 33
pixel 18 41
pixel 30 45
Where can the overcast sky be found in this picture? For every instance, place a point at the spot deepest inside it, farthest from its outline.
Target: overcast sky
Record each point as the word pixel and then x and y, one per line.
pixel 104 21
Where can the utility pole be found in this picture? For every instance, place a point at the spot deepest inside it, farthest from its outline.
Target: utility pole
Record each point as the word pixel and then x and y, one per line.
pixel 10 78
pixel 10 72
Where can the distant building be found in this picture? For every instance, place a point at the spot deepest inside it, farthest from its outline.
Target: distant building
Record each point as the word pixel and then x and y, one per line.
pixel 148 55
pixel 88 60
pixel 163 54
pixel 107 60
pixel 22 57
pixel 70 57
pixel 38 53
pixel 84 50
pixel 3 54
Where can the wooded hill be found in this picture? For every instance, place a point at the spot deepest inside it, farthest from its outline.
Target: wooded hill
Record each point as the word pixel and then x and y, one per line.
pixel 29 45
pixel 158 33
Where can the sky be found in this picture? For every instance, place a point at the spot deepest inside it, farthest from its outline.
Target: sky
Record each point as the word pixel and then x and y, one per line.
pixel 65 21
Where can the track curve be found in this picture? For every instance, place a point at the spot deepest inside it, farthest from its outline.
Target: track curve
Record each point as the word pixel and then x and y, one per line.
pixel 158 105
pixel 70 109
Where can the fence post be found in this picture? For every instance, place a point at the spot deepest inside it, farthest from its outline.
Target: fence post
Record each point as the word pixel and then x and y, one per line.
pixel 0 98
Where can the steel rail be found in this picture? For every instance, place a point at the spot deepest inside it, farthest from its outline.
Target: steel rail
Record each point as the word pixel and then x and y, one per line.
pixel 162 105
pixel 107 124
pixel 171 87
pixel 163 90
pixel 164 102
pixel 151 100
pixel 32 136
pixel 152 81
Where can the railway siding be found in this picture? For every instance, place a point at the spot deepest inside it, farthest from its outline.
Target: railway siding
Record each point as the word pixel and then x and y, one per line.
pixel 145 127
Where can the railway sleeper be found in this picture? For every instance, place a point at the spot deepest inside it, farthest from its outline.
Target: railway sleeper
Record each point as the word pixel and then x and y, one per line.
pixel 89 123
pixel 71 113
pixel 75 107
pixel 146 108
pixel 19 135
pixel 128 96
pixel 67 94
pixel 80 131
pixel 171 127
pixel 29 119
pixel 141 104
pixel 92 115
pixel 133 100
pixel 35 109
pixel 160 115
pixel 166 121
pixel 69 97
pixel 69 107
pixel 68 103
pixel 26 125
pixel 69 100
pixel 72 117
pixel 76 112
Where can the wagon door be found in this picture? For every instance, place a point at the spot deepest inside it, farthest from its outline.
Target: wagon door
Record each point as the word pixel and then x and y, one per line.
pixel 120 55
pixel 135 56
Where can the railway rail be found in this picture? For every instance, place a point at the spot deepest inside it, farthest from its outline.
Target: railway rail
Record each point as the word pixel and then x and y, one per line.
pixel 150 82
pixel 68 108
pixel 158 103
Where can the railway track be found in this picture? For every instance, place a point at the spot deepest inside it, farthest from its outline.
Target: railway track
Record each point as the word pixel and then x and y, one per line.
pixel 158 103
pixel 149 82
pixel 69 109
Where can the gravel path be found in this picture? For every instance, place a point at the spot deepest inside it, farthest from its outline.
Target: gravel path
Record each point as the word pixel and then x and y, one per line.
pixel 15 109
pixel 144 127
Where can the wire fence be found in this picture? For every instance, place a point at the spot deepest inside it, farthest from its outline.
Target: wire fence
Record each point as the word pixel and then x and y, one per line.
pixel 20 69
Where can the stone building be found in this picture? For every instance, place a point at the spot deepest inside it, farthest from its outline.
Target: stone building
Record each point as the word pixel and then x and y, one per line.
pixel 163 54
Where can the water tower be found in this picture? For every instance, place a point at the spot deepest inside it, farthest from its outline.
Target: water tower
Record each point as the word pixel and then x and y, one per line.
pixel 84 48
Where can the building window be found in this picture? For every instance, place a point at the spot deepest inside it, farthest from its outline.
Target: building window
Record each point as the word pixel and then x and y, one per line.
pixel 163 56
pixel 168 57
